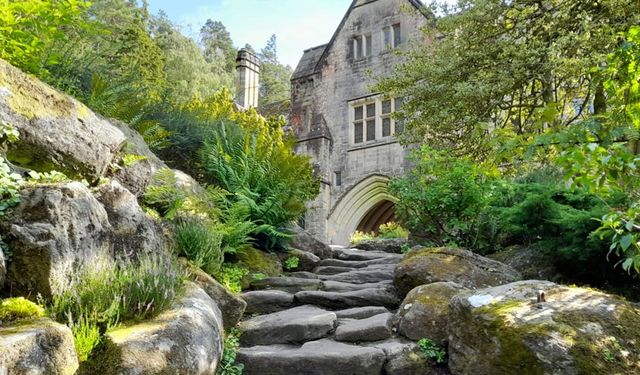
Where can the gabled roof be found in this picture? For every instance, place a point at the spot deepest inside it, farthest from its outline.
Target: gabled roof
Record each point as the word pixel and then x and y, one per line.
pixel 313 57
pixel 308 62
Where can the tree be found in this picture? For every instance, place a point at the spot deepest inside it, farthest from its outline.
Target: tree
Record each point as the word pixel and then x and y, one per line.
pixel 218 46
pixel 497 72
pixel 275 85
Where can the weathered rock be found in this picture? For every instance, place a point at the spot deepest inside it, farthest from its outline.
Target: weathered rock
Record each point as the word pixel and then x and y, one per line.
pixel 137 176
pixel 362 275
pixel 231 306
pixel 359 263
pixel 354 254
pixel 338 286
pixel 303 240
pixel 55 232
pixel 184 340
pixel 287 284
pixel 258 262
pixel 424 313
pixel 345 300
pixel 532 263
pixel 132 230
pixel 503 330
pixel 56 131
pixel 361 312
pixel 37 347
pixel 267 301
pixel 299 324
pixel 303 275
pixel 404 358
pixel 429 265
pixel 307 261
pixel 331 270
pixel 388 245
pixel 322 357
pixel 375 328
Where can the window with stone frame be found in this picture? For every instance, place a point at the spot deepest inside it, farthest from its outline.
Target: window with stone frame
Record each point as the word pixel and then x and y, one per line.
pixel 361 46
pixel 391 36
pixel 373 119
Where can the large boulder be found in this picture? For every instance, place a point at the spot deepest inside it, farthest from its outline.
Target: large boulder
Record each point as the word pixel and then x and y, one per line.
pixel 56 131
pixel 184 340
pixel 231 305
pixel 54 233
pixel 138 175
pixel 429 265
pixel 405 358
pixel 37 347
pixel 532 263
pixel 571 331
pixel 133 231
pixel 303 240
pixel 424 313
pixel 388 245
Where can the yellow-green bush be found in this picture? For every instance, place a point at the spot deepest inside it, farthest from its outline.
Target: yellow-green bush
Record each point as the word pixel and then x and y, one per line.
pixel 17 308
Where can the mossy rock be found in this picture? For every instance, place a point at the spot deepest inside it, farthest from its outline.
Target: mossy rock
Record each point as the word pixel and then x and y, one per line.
pixel 505 330
pixel 260 265
pixel 424 313
pixel 424 265
pixel 37 346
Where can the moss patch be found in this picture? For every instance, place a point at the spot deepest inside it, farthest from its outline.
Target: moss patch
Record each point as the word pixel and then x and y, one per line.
pixel 12 309
pixel 31 98
pixel 514 356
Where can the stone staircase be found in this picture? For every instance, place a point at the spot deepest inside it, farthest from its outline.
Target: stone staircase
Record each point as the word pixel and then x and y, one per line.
pixel 336 320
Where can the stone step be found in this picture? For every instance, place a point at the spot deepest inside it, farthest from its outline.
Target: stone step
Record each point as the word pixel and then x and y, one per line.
pixel 295 325
pixel 361 312
pixel 267 301
pixel 339 286
pixel 331 270
pixel 303 275
pixel 361 276
pixel 358 263
pixel 287 284
pixel 375 328
pixel 354 254
pixel 345 300
pixel 322 357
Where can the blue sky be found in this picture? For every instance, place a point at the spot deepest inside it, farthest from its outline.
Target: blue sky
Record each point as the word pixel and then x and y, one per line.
pixel 298 24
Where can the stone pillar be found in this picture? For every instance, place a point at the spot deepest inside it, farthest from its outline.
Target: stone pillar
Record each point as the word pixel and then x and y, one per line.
pixel 248 68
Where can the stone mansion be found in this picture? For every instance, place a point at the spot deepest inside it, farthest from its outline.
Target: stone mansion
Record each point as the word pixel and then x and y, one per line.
pixel 348 129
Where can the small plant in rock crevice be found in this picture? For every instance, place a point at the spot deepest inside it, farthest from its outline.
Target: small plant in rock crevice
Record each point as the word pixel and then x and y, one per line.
pixel 228 365
pixel 292 263
pixel 431 350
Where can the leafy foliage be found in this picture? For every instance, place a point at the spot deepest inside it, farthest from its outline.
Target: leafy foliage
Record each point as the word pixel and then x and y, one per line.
pixel 228 365
pixel 431 350
pixel 392 230
pixel 9 182
pixel 231 276
pixel 200 244
pixel 292 263
pixel 440 199
pixel 358 236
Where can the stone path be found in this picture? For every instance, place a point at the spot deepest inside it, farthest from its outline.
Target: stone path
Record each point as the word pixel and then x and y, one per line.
pixel 337 320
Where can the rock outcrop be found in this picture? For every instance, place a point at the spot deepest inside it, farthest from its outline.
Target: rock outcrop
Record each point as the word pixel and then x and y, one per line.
pixel 260 263
pixel 532 263
pixel 571 331
pixel 424 313
pixel 37 347
pixel 305 241
pixel 388 245
pixel 55 232
pixel 56 131
pixel 185 340
pixel 429 265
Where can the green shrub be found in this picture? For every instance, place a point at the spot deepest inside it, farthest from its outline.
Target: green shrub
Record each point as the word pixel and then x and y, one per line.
pixel 393 230
pixel 228 365
pixel 291 263
pixel 200 244
pixel 17 308
pixel 100 299
pixel 231 275
pixel 163 195
pixel 9 182
pixel 441 198
pixel 358 236
pixel 432 351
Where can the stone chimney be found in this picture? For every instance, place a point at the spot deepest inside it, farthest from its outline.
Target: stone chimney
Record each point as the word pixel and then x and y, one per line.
pixel 248 68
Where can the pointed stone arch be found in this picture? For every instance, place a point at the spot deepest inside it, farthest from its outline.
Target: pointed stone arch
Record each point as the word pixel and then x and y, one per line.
pixel 363 206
